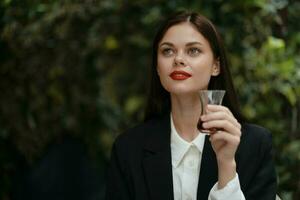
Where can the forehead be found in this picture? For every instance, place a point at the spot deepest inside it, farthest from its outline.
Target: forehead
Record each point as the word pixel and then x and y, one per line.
pixel 183 33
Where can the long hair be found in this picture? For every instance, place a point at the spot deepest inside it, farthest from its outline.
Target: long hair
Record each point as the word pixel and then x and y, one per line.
pixel 159 102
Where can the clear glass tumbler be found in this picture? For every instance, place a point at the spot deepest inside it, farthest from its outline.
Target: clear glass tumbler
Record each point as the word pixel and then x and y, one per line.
pixel 214 97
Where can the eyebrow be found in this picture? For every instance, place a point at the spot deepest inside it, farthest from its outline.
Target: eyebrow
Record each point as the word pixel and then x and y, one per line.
pixel 188 44
pixel 166 43
pixel 193 43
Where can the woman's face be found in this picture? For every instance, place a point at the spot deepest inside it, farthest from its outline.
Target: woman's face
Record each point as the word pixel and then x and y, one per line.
pixel 185 61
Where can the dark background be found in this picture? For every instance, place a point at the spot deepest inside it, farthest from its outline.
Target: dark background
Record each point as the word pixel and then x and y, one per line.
pixel 73 75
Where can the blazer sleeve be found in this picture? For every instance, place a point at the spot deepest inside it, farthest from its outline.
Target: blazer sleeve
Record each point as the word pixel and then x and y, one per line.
pixel 263 185
pixel 117 186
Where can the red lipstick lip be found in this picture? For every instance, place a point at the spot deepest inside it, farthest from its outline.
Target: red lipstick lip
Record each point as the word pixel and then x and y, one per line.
pixel 180 75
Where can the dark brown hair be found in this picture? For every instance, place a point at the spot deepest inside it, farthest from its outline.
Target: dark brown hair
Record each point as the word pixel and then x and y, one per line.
pixel 159 99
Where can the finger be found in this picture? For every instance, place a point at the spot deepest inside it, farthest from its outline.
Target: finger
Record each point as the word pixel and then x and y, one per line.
pixel 224 125
pixel 225 136
pixel 220 115
pixel 214 108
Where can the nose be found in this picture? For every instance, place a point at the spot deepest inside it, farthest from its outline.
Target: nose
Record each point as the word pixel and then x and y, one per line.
pixel 179 60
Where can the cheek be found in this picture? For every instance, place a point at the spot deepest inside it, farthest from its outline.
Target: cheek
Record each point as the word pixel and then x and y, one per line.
pixel 163 74
pixel 203 66
pixel 163 66
pixel 202 71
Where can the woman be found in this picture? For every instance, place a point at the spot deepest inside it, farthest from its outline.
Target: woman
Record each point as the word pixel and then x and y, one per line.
pixel 167 157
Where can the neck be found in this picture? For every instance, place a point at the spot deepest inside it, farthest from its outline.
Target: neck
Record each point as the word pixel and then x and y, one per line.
pixel 185 114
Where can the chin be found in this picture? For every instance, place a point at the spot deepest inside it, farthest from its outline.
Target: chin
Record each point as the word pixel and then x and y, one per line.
pixel 183 88
pixel 183 91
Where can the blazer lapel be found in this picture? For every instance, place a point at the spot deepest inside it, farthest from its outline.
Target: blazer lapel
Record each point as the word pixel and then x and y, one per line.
pixel 157 163
pixel 208 171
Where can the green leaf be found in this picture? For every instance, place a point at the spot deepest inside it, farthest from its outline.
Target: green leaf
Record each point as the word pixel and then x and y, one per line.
pixel 132 104
pixel 111 43
pixel 289 93
pixel 275 43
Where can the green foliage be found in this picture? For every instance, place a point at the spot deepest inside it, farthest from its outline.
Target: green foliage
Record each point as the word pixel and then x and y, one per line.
pixel 81 68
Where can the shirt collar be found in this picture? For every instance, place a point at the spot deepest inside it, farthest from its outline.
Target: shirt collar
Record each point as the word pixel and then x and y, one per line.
pixel 179 146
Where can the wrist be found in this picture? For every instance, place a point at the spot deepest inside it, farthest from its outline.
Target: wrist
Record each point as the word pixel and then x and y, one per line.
pixel 230 162
pixel 226 171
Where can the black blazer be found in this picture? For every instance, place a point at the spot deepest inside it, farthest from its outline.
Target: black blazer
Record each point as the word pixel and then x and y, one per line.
pixel 141 168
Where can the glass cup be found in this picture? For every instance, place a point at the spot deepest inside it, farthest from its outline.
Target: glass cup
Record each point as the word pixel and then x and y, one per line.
pixel 213 97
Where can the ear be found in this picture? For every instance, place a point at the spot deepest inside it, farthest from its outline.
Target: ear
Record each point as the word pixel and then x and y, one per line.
pixel 216 68
pixel 157 70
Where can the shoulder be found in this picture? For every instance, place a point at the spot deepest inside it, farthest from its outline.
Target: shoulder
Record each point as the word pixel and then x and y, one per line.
pixel 135 134
pixel 133 139
pixel 255 133
pixel 255 139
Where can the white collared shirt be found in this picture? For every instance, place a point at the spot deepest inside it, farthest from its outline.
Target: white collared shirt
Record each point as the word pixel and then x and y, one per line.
pixel 186 162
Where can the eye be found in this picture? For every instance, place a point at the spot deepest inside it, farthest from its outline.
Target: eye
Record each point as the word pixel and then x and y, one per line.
pixel 194 51
pixel 167 52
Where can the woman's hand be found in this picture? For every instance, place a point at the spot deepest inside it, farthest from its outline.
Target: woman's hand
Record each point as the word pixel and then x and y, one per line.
pixel 224 141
